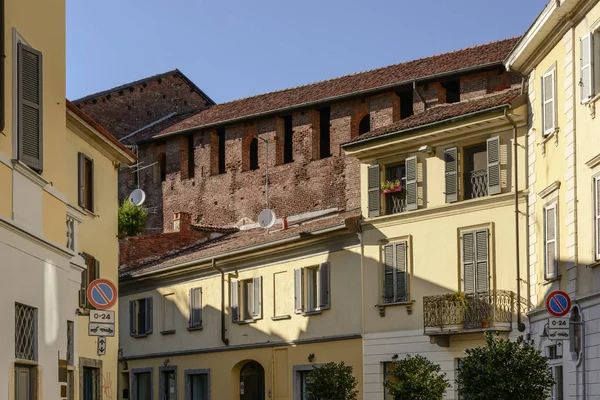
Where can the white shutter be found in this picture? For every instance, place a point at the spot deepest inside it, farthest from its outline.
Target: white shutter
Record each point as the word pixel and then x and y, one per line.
pixel 468 261
pixel 550 242
pixel 586 80
pixel 451 172
pixel 324 286
pixel 195 307
pixel 493 165
pixel 401 273
pixel 411 183
pixel 482 271
pixel 548 107
pixel 373 183
pixel 597 215
pixel 388 273
pixel 234 302
pixel 257 297
pixel 298 291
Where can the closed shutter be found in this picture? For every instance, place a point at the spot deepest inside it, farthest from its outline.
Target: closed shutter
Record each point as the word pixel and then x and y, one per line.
pixel 411 183
pixel 91 188
pixel 388 273
pixel 81 179
pixel 257 307
pixel 148 303
pixel 401 273
pixel 597 215
pixel 298 291
pixel 550 244
pixel 481 259
pixel 586 79
pixel 132 318
pixel 30 122
pixel 234 302
pixel 451 171
pixel 324 286
pixel 195 307
pixel 374 187
pixel 493 165
pixel 96 269
pixel 548 108
pixel 468 261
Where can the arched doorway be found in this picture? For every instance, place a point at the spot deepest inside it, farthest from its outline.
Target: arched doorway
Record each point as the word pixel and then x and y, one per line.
pixel 252 381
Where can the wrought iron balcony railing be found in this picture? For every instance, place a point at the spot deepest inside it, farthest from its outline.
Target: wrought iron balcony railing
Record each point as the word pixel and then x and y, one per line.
pixel 456 312
pixel 396 202
pixel 477 183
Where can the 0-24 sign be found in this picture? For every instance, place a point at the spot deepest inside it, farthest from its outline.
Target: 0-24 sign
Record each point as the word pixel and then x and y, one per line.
pixel 102 316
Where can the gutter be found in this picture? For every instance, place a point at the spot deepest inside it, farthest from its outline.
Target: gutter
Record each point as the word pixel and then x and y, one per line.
pixel 327 100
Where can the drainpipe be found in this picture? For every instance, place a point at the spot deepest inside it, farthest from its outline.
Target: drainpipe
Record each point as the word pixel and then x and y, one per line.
pixel 419 95
pixel 223 336
pixel 520 325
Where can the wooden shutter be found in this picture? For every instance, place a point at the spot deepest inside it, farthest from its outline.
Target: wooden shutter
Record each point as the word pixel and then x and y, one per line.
pixel 374 188
pixel 298 291
pixel 195 307
pixel 401 273
pixel 451 170
pixel 148 303
pixel 91 187
pixel 257 298
pixel 132 318
pixel 493 165
pixel 481 261
pixel 324 286
pixel 548 108
pixel 411 183
pixel 550 242
pixel 586 79
pixel 96 269
pixel 597 215
pixel 388 273
pixel 30 122
pixel 235 314
pixel 81 178
pixel 468 261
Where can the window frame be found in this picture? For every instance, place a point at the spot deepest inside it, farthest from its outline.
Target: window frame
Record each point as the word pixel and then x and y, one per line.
pixel 394 243
pixel 549 275
pixel 148 317
pixel 133 380
pixel 84 188
pixel 168 299
pixel 596 215
pixel 188 380
pixel 305 290
pixel 193 324
pixel 385 371
pixel 162 372
pixel 545 130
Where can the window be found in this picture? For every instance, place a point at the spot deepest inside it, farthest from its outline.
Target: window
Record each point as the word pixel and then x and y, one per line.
pixel 253 154
pixel 457 363
pixel 388 367
pixel 25 332
pixel 312 289
pixel 554 352
pixel 25 382
pixel 86 182
pixel 395 273
pixel 406 104
pixel 70 343
pixel 475 261
pixel 91 273
pixel 288 140
pixel 71 233
pixel 364 125
pixel 168 383
pixel 452 90
pixel 197 384
pixel 597 217
pixel 221 152
pixel 246 299
pixel 141 387
pixel 324 134
pixel 140 317
pixel 400 187
pixel 302 376
pixel 90 387
pixel 168 313
pixel 162 162
pixel 29 107
pixel 548 106
pixel 557 374
pixel 586 78
pixel 196 307
pixel 550 242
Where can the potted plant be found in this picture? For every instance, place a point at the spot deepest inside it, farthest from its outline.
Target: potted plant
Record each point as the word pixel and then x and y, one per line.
pixel 486 322
pixel 459 299
pixel 391 187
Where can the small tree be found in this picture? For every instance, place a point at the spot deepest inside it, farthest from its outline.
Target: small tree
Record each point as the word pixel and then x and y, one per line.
pixel 331 381
pixel 416 378
pixel 504 370
pixel 132 219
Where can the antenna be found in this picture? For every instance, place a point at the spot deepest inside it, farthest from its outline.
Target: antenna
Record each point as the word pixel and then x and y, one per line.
pixel 137 197
pixel 266 218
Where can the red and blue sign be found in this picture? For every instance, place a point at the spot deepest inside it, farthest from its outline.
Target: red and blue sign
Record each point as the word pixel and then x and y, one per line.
pixel 558 303
pixel 102 294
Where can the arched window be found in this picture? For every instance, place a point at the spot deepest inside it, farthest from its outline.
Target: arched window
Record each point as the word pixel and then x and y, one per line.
pixel 365 124
pixel 252 376
pixel 254 154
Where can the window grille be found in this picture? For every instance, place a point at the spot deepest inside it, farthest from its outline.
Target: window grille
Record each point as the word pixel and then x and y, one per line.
pixel 25 329
pixel 71 234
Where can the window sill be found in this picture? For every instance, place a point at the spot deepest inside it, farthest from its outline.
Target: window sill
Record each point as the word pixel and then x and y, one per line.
pixel 29 173
pixel 142 335
pixel 88 212
pixel 194 328
pixel 246 322
pixel 281 317
pixel 312 312
pixel 595 264
pixel 170 332
pixel 408 305
pixel 549 281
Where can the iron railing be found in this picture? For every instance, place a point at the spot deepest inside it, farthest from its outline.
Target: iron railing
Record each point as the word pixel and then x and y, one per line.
pixel 471 310
pixel 395 202
pixel 477 183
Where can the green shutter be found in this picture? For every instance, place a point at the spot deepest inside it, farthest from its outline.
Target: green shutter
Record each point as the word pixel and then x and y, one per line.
pixel 451 172
pixel 411 183
pixel 374 189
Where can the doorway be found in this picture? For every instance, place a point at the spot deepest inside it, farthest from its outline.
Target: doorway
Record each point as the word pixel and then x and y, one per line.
pixel 252 382
pixel 23 383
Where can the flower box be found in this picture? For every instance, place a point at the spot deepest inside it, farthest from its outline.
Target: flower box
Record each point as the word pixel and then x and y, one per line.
pixel 393 190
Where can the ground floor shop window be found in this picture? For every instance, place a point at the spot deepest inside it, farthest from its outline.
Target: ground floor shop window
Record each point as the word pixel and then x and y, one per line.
pixel 168 383
pixel 141 384
pixel 197 384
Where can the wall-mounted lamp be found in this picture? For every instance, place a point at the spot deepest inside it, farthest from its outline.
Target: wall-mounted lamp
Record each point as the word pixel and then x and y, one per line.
pixel 427 150
pixel 166 362
pixel 395 357
pixel 311 357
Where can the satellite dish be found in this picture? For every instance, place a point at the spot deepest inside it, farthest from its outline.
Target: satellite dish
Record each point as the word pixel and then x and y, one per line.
pixel 266 218
pixel 137 197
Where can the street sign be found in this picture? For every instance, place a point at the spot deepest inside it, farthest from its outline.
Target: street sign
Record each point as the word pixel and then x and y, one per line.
pixel 558 303
pixel 102 316
pixel 97 329
pixel 102 294
pixel 101 345
pixel 558 328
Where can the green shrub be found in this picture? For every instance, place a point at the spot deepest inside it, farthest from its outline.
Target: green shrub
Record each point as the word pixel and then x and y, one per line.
pixel 416 378
pixel 331 381
pixel 132 219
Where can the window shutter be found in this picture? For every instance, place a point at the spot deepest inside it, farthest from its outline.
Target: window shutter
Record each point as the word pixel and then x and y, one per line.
pixel 411 183
pixel 401 273
pixel 451 170
pixel 388 273
pixel 551 262
pixel 195 307
pixel 234 302
pixel 298 289
pixel 374 188
pixel 81 178
pixel 92 186
pixel 324 286
pixel 257 307
pixel 548 109
pixel 586 80
pixel 96 269
pixel 597 215
pixel 132 318
pixel 468 245
pixel 148 314
pixel 482 263
pixel 493 165
pixel 30 122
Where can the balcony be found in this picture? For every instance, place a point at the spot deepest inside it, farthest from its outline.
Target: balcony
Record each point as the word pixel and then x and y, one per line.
pixel 476 184
pixel 395 202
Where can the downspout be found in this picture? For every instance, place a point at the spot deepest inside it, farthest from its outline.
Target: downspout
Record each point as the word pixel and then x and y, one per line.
pixel 223 330
pixel 520 325
pixel 419 95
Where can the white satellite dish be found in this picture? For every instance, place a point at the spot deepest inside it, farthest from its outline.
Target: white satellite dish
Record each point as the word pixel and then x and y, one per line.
pixel 266 218
pixel 137 197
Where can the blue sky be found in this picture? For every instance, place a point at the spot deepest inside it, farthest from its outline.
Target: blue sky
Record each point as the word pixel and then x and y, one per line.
pixel 237 48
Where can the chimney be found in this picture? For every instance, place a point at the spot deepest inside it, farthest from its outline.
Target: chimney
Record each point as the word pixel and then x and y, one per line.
pixel 182 222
